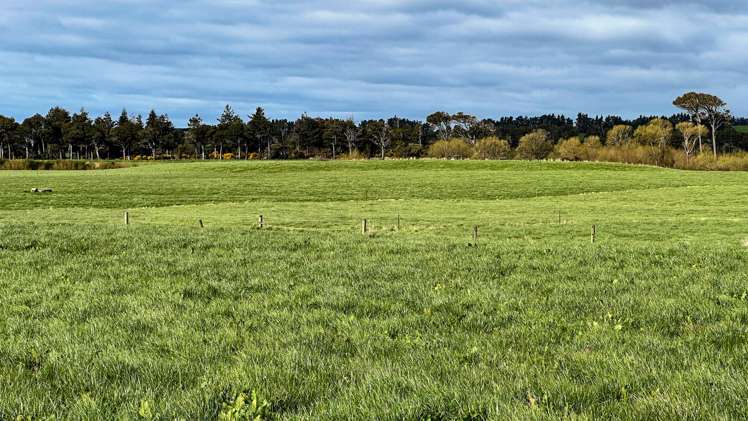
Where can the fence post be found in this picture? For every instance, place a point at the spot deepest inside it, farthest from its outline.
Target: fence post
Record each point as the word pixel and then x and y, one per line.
pixel 200 222
pixel 398 222
pixel 593 233
pixel 475 234
pixel 127 218
pixel 364 227
pixel 261 221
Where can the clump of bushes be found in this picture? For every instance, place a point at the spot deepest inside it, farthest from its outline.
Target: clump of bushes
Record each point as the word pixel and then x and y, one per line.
pixel 492 148
pixel 535 145
pixel 706 161
pixel 576 149
pixel 628 154
pixel 450 149
pixel 32 164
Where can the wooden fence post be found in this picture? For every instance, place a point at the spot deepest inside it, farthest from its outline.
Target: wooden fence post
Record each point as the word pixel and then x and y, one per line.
pixel 127 218
pixel 593 233
pixel 200 222
pixel 398 222
pixel 475 234
pixel 261 221
pixel 364 227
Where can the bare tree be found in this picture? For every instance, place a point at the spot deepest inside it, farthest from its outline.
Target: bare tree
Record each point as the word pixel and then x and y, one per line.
pixel 690 133
pixel 382 137
pixel 351 134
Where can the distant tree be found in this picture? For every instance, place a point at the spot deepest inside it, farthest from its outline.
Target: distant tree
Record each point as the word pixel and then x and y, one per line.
pixel 463 125
pixel 535 145
pixel 716 113
pixel 103 133
pixel 333 131
pixel 78 133
pixel 690 133
pixel 8 129
pixel 258 129
pixel 382 137
pixel 584 124
pixel 33 135
pixel 493 148
pixel 127 133
pixel 441 123
pixel 690 102
pixel 197 133
pixel 619 135
pixel 309 134
pixel 656 135
pixel 229 131
pixel 571 149
pixel 55 123
pixel 153 133
pixel 351 134
pixel 483 129
pixel 281 130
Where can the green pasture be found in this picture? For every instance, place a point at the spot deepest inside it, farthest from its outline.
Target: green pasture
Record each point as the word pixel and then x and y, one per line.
pixel 163 319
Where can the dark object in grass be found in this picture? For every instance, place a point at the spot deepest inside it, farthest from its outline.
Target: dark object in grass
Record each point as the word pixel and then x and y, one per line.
pixel 42 190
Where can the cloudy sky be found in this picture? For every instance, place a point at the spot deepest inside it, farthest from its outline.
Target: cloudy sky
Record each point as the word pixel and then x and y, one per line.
pixel 370 58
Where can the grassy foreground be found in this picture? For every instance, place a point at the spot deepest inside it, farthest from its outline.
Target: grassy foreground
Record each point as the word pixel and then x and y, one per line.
pixel 163 319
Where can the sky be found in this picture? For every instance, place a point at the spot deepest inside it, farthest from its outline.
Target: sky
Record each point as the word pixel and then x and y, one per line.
pixel 370 58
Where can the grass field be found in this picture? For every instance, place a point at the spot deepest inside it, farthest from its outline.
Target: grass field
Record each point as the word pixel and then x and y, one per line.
pixel 742 129
pixel 163 319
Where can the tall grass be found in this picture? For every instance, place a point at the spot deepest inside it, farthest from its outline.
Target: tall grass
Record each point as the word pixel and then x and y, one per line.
pixel 666 157
pixel 31 164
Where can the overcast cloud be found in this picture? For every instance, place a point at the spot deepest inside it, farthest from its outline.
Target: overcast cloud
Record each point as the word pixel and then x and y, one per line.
pixel 370 58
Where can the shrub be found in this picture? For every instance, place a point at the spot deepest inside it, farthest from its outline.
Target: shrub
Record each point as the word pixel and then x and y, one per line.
pixel 454 148
pixel 535 145
pixel 571 150
pixel 629 154
pixel 355 155
pixel 706 161
pixel 492 148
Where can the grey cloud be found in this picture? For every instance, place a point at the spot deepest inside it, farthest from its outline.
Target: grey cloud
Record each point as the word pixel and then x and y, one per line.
pixel 372 58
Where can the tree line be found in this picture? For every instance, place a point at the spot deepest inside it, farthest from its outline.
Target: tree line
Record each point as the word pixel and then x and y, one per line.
pixel 63 135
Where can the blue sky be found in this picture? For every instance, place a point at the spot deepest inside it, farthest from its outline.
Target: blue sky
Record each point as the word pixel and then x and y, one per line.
pixel 370 58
